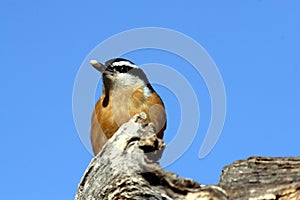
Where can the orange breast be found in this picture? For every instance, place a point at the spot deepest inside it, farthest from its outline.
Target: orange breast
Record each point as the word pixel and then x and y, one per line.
pixel 120 109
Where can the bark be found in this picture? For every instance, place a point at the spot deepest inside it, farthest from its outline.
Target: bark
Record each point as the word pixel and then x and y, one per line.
pixel 128 168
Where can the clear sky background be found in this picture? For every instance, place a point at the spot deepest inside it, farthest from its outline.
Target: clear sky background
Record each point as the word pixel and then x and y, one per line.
pixel 255 45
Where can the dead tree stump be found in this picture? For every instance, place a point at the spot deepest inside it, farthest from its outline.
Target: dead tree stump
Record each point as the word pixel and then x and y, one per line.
pixel 128 168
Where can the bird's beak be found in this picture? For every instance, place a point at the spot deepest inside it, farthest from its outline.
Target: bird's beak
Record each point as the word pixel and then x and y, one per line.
pixel 97 65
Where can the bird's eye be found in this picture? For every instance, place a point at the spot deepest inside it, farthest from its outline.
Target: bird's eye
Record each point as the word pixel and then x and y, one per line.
pixel 110 68
pixel 123 69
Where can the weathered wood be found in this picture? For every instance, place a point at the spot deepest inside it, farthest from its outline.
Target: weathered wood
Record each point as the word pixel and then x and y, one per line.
pixel 262 178
pixel 128 168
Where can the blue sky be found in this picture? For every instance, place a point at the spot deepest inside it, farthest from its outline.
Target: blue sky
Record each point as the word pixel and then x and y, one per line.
pixel 255 45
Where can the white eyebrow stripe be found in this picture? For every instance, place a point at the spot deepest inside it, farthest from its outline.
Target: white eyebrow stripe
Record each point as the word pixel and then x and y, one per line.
pixel 121 63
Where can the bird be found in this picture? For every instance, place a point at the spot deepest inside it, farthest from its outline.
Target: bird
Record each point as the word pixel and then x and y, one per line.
pixel 126 91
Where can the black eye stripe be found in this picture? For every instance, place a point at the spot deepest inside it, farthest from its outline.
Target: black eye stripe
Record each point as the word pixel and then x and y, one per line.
pixel 123 68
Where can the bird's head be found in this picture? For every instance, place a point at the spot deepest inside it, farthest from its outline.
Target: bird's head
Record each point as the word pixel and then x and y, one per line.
pixel 119 73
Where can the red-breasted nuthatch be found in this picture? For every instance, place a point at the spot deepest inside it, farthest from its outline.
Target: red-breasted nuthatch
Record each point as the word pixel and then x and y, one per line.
pixel 126 91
